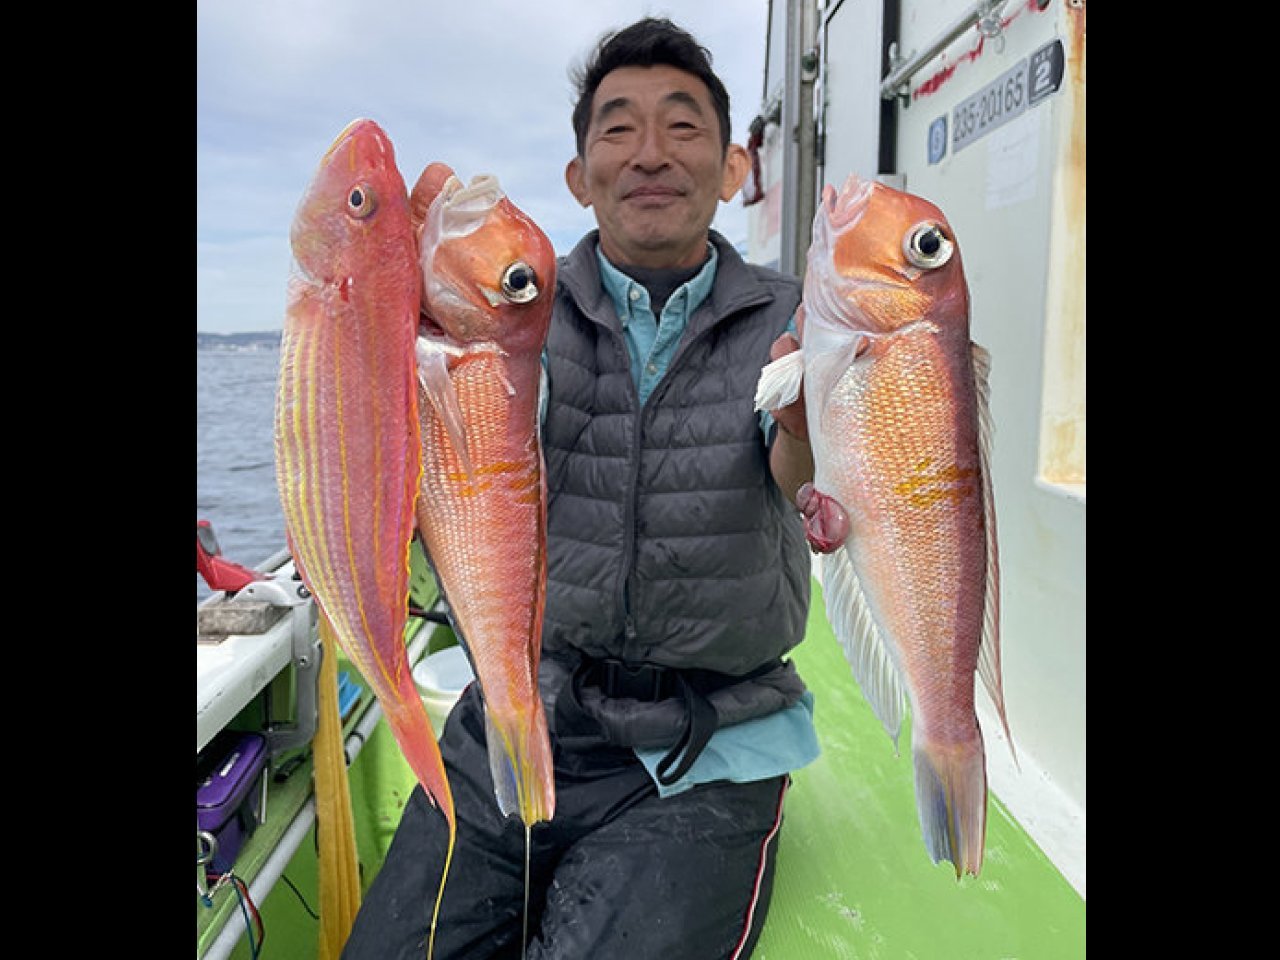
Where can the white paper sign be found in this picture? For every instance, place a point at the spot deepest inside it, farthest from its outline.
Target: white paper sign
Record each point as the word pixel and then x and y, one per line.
pixel 1013 154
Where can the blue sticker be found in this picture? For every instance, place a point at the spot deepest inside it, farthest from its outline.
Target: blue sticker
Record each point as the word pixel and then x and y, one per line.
pixel 938 139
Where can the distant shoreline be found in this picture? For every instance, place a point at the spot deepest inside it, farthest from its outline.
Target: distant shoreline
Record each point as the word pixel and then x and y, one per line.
pixel 257 340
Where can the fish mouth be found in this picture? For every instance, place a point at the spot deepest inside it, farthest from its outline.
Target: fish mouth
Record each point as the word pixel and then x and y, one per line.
pixel 362 134
pixel 829 292
pixel 844 208
pixel 346 132
pixel 456 212
pixel 464 209
pixel 839 211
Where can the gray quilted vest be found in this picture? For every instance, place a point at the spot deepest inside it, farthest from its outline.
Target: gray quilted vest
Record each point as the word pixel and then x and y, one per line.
pixel 668 540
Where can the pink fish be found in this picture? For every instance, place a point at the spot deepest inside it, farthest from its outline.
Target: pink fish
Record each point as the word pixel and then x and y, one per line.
pixel 488 286
pixel 901 507
pixel 348 456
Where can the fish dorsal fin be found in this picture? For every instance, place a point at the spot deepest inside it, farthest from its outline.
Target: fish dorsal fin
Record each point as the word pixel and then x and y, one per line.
pixel 855 628
pixel 433 374
pixel 989 646
pixel 780 381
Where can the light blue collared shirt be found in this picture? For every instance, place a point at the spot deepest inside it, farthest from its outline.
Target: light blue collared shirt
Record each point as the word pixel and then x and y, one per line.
pixel 652 341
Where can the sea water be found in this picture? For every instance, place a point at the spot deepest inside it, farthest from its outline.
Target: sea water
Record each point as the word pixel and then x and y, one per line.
pixel 235 453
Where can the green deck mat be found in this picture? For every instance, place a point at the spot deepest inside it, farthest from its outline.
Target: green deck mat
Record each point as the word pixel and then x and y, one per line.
pixel 853 877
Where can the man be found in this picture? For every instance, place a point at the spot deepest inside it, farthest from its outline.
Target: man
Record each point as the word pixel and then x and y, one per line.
pixel 678 572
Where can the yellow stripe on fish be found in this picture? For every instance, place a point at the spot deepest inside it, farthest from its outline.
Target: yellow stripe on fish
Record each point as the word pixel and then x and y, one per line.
pixel 929 484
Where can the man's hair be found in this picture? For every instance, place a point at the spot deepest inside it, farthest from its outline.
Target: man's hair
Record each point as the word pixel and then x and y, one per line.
pixel 646 43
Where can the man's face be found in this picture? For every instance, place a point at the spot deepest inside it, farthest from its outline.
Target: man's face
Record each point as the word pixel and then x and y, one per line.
pixel 652 166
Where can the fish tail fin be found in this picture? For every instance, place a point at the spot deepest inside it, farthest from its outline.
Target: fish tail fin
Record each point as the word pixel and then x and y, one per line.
pixel 412 729
pixel 951 798
pixel 521 764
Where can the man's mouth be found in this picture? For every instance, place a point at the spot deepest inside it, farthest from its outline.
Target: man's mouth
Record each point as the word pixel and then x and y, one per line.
pixel 649 193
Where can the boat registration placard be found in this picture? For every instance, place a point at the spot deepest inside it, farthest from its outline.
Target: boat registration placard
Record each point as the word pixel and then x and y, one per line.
pixel 1008 96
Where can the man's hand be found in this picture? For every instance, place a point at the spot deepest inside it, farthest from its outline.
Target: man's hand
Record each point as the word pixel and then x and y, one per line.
pixel 791 418
pixel 790 460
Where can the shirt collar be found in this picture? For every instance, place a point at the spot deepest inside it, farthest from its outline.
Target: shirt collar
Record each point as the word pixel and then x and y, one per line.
pixel 627 294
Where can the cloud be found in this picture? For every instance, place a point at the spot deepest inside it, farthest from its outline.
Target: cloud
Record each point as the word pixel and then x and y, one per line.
pixel 480 84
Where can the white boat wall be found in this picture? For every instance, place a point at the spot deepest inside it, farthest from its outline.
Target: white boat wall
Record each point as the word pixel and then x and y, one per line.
pixel 980 108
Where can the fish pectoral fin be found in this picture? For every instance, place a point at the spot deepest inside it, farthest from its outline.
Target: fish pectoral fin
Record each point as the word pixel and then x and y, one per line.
pixel 433 374
pixel 849 614
pixel 780 381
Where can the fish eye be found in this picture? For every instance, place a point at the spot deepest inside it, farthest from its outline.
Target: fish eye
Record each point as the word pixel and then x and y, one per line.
pixel 519 282
pixel 927 245
pixel 361 201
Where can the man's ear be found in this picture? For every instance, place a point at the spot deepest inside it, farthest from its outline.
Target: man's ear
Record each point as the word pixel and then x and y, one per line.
pixel 575 179
pixel 737 164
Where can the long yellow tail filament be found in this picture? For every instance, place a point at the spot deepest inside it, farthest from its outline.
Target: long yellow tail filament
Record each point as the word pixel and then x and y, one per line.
pixel 335 826
pixel 435 913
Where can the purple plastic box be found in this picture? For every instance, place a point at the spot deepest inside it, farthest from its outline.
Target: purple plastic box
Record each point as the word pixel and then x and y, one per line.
pixel 228 775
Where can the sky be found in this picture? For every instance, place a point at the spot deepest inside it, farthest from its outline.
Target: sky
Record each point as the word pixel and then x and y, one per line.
pixel 482 85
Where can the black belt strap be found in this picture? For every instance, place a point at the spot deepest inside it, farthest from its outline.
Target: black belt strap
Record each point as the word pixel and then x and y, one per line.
pixel 700 722
pixel 649 683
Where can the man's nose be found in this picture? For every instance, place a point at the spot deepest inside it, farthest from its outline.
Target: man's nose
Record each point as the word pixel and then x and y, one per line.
pixel 651 150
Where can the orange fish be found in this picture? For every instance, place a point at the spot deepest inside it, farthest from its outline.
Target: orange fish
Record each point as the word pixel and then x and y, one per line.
pixel 488 285
pixel 901 508
pixel 348 459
